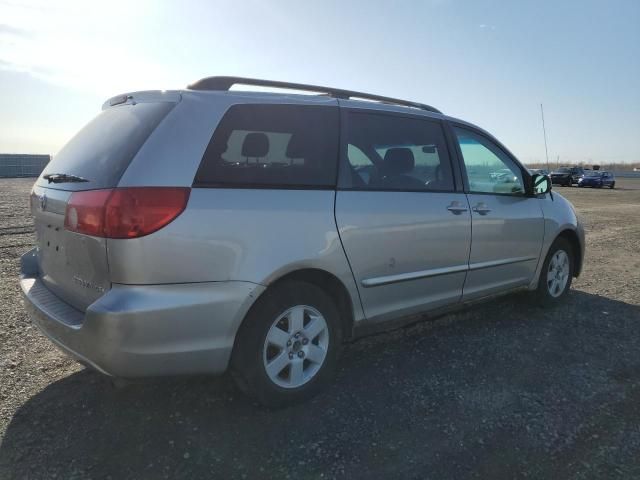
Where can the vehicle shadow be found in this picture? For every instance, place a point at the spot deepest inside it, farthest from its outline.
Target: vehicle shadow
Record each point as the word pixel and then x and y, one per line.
pixel 505 389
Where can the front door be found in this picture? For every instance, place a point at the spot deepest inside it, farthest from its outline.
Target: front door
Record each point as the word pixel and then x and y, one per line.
pixel 404 228
pixel 507 225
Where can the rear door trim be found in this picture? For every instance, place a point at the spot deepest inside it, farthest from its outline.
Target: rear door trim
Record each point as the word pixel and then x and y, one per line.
pixel 402 277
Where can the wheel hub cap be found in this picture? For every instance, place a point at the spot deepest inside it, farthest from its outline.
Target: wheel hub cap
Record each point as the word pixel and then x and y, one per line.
pixel 558 273
pixel 296 346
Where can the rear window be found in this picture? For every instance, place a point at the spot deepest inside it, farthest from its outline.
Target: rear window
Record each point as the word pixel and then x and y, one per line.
pixel 103 149
pixel 272 146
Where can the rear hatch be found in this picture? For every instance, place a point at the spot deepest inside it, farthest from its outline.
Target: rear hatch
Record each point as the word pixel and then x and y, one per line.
pixel 74 265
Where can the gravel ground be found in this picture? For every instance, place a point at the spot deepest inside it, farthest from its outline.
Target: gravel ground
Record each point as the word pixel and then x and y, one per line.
pixel 504 390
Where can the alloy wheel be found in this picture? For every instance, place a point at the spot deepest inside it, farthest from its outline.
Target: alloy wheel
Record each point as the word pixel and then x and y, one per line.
pixel 296 346
pixel 558 273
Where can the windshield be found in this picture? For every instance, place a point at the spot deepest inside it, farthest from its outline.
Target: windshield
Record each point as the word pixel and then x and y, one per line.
pixel 563 170
pixel 592 174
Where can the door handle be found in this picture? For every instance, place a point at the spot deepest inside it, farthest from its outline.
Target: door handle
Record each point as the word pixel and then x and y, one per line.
pixel 481 208
pixel 456 208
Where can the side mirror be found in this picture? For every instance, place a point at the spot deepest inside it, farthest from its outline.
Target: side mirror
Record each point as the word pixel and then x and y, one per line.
pixel 541 184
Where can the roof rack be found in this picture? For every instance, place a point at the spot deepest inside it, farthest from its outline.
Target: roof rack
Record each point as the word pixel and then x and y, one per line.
pixel 225 83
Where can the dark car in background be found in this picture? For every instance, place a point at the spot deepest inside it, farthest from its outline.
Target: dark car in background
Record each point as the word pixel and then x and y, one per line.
pixel 566 176
pixel 597 179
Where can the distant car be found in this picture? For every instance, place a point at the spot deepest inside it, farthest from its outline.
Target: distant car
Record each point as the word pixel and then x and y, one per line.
pixel 608 180
pixel 561 176
pixel 566 176
pixel 503 176
pixel 597 179
pixel 539 171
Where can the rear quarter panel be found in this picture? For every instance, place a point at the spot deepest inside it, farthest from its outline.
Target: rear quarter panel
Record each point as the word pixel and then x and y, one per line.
pixel 254 235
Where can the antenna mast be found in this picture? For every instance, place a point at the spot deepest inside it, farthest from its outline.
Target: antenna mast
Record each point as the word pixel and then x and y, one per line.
pixel 544 132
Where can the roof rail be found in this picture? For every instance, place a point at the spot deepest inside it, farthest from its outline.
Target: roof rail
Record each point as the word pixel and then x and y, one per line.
pixel 225 83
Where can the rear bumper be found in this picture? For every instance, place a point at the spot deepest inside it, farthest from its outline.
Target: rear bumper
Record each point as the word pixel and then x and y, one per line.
pixel 144 330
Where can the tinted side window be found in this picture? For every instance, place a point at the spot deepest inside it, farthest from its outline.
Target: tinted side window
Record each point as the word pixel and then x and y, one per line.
pixel 488 168
pixel 273 146
pixel 390 152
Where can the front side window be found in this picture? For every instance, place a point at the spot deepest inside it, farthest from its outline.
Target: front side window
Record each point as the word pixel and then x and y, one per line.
pixel 488 168
pixel 389 152
pixel 273 146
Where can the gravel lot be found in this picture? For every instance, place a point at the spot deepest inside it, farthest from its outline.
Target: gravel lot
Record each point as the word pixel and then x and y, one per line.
pixel 505 390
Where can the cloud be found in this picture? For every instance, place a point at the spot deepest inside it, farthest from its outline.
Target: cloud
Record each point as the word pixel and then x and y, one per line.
pixel 484 26
pixel 73 46
pixel 15 31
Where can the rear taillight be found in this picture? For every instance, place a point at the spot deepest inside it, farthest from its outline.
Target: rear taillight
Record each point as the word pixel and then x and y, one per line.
pixel 124 212
pixel 85 212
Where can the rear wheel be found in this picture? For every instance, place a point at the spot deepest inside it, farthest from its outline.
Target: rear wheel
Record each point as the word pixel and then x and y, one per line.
pixel 556 274
pixel 288 345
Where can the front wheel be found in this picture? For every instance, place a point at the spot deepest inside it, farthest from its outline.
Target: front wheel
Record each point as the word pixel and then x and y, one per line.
pixel 557 272
pixel 613 185
pixel 287 348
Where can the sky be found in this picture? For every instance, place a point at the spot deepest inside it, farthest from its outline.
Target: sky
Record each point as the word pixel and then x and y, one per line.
pixel 488 62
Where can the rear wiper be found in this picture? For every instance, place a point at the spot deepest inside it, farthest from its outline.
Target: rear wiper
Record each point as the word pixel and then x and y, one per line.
pixel 63 178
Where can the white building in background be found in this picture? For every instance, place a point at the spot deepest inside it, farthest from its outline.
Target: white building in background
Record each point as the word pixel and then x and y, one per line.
pixel 22 165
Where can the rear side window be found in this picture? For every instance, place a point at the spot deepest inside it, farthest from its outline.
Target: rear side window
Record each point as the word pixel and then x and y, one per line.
pixel 104 148
pixel 272 146
pixel 391 152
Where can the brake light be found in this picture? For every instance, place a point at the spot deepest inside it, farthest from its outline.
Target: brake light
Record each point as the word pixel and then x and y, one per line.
pixel 124 212
pixel 85 212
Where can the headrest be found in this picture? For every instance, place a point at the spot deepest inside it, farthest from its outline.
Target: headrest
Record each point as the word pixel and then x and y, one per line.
pixel 256 144
pixel 297 147
pixel 398 161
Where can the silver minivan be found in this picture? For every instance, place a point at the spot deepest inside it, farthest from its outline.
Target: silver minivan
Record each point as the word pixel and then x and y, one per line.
pixel 211 229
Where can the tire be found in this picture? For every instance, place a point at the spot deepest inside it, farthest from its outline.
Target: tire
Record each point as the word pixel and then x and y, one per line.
pixel 548 292
pixel 613 185
pixel 277 316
